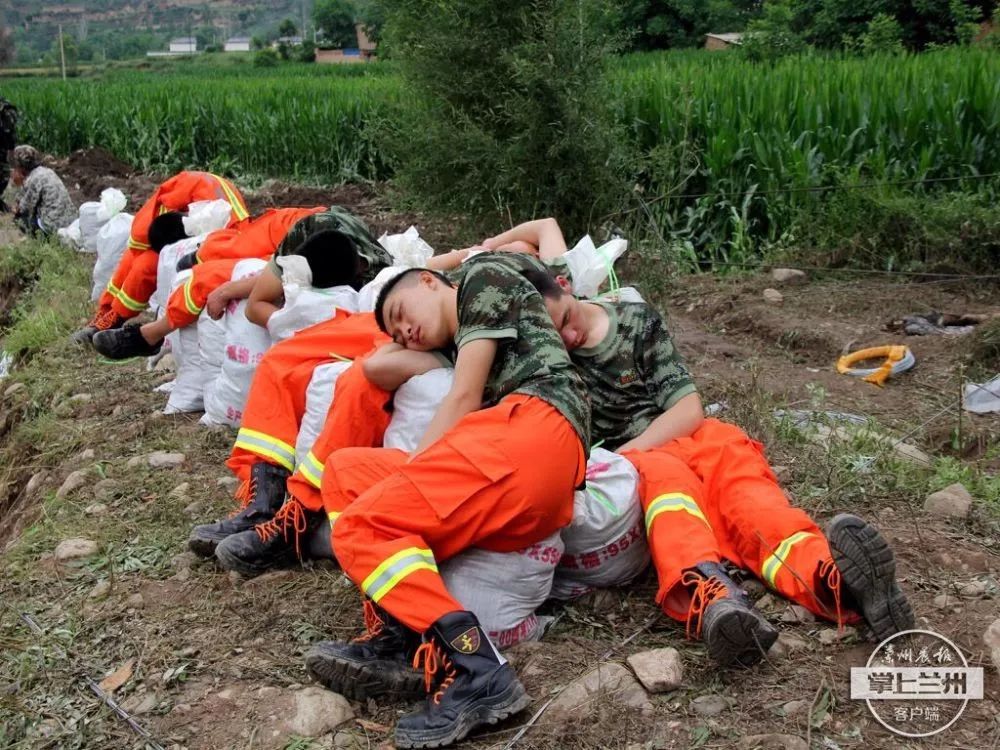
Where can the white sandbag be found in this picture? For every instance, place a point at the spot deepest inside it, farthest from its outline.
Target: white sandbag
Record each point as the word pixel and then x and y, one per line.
pixel 504 589
pixel 307 306
pixel 211 342
pixel 414 406
pixel 166 269
pixel 245 347
pixel 590 266
pixel 70 236
pixel 623 294
pixel 206 216
pixel 189 385
pixel 606 541
pixel 368 295
pixel 319 396
pixel 112 239
pixel 113 202
pixel 90 225
pixel 407 249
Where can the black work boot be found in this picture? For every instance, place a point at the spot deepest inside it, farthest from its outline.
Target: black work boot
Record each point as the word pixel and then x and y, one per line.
pixel 377 663
pixel 104 320
pixel 268 545
pixel 187 261
pixel 267 495
pixel 474 686
pixel 124 343
pixel 735 633
pixel 864 569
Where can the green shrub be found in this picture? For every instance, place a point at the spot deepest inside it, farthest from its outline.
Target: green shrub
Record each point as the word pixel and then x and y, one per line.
pixel 265 58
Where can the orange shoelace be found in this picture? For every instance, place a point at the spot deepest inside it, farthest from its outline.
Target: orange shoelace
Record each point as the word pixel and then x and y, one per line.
pixel 105 319
pixel 290 517
pixel 373 623
pixel 433 660
pixel 244 495
pixel 706 591
pixel 830 574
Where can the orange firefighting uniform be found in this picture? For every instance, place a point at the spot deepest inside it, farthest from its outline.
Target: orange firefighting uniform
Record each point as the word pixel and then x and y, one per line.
pixel 713 496
pixel 222 250
pixel 276 402
pixel 134 280
pixel 480 485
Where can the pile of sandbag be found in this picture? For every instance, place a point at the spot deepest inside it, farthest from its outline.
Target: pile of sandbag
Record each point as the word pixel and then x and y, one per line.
pixel 319 396
pixel 103 228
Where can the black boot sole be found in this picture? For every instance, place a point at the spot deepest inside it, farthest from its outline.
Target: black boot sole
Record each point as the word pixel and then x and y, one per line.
pixel 489 710
pixel 204 546
pixel 361 681
pixel 739 637
pixel 868 571
pixel 248 568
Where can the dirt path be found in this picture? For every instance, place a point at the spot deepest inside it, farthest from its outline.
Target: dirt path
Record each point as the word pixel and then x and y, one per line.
pixel 217 662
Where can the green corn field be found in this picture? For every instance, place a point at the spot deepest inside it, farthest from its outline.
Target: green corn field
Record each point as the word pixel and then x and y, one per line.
pixel 724 150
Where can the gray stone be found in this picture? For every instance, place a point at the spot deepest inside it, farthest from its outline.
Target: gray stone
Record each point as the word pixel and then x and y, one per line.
pixel 974 589
pixel 107 489
pixel 100 590
pixel 227 482
pixel 181 491
pixel 73 482
pixel 85 455
pixel 611 679
pixel 15 388
pixel 194 508
pixel 96 509
pixel 797 614
pixel 135 462
pixel 829 636
pixel 659 670
pixel 944 601
pixel 786 645
pixel 318 711
pixel 953 501
pixel 162 460
pixel 136 601
pixel 345 740
pixel 710 705
pixel 789 276
pixel 773 296
pixel 140 704
pixel 69 405
pixel 184 560
pixel 793 708
pixel 73 549
pixel 773 742
pixel 35 483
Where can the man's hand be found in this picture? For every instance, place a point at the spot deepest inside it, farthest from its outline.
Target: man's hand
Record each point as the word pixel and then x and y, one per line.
pixel 218 299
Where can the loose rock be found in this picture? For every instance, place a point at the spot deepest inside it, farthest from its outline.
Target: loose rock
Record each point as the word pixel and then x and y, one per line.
pixel 773 742
pixel 785 645
pixel 953 501
pixel 992 640
pixel 161 460
pixel 974 589
pixel 773 296
pixel 73 482
pixel 829 636
pixel 797 613
pixel 73 549
pixel 943 601
pixel 100 590
pixel 136 601
pixel 318 711
pixel 107 489
pixel 659 670
pixel 35 483
pixel 613 679
pixel 789 276
pixel 184 560
pixel 181 491
pixel 710 705
pixel 96 509
pixel 15 388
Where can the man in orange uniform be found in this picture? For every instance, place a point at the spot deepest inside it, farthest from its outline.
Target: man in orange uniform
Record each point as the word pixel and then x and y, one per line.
pixel 209 283
pixel 474 480
pixel 134 280
pixel 709 494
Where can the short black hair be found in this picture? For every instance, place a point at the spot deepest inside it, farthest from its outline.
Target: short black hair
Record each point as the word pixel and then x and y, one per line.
pixel 544 283
pixel 166 229
pixel 392 283
pixel 333 259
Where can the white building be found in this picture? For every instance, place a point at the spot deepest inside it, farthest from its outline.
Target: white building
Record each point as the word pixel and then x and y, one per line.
pixel 237 44
pixel 184 44
pixel 290 41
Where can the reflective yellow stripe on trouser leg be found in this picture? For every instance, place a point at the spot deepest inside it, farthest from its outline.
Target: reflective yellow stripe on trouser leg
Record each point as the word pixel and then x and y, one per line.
pixel 266 446
pixel 675 502
pixel 393 570
pixel 769 570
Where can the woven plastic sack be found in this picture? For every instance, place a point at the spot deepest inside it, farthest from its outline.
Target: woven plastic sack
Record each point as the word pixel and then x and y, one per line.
pixel 166 269
pixel 590 266
pixel 368 295
pixel 319 397
pixel 307 306
pixel 70 236
pixel 606 540
pixel 245 347
pixel 504 589
pixel 414 406
pixel 112 239
pixel 407 249
pixel 206 216
pixel 188 392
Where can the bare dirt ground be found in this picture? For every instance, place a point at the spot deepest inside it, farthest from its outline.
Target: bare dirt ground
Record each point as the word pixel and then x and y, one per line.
pixel 216 661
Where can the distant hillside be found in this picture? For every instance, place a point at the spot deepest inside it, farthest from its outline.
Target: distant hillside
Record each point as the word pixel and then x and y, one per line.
pixel 115 29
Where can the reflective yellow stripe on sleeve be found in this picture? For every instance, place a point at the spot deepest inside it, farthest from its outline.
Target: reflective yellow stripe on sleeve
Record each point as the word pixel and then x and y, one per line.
pixel 774 561
pixel 268 447
pixel 673 502
pixel 188 301
pixel 239 210
pixel 391 571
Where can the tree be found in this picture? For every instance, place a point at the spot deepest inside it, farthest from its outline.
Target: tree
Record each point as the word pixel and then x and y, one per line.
pixel 335 19
pixel 288 28
pixel 371 15
pixel 884 36
pixel 6 46
pixel 773 35
pixel 657 24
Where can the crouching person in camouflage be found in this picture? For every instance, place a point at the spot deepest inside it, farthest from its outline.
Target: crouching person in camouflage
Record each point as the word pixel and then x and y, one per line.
pixel 43 205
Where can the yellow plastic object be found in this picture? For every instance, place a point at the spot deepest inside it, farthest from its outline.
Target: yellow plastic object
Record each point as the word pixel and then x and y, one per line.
pixel 891 355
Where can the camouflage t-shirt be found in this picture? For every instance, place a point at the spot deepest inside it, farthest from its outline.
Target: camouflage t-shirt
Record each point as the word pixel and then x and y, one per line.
pixel 44 202
pixel 633 375
pixel 374 257
pixel 517 261
pixel 496 302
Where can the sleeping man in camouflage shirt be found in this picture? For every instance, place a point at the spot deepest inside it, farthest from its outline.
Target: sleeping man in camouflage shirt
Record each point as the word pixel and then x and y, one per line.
pixel 708 493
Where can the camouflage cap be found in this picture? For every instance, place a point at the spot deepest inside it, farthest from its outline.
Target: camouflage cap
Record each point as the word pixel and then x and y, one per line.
pixel 25 158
